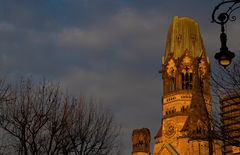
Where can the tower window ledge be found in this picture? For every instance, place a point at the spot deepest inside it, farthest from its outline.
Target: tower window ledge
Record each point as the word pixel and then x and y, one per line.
pixel 179 92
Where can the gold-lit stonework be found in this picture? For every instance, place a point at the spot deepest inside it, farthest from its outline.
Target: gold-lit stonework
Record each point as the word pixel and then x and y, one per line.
pixel 202 69
pixel 171 68
pixel 169 129
pixel 141 141
pixel 183 35
pixel 186 101
pixel 186 93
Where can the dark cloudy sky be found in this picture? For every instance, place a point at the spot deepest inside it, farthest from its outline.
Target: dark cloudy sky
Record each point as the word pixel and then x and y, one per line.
pixel 109 49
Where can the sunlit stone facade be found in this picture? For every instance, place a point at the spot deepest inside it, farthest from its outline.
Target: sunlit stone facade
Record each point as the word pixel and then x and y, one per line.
pixel 186 93
pixel 141 142
pixel 186 101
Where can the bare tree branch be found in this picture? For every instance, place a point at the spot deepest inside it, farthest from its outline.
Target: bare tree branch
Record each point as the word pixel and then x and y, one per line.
pixel 42 120
pixel 226 90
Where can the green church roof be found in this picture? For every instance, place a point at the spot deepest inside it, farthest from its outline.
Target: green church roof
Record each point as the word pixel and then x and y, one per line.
pixel 183 34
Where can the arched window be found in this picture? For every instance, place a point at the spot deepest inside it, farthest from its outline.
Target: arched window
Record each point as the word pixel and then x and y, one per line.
pixel 187 78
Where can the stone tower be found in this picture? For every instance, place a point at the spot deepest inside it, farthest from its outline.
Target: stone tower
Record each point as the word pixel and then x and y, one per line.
pixel 186 94
pixel 141 142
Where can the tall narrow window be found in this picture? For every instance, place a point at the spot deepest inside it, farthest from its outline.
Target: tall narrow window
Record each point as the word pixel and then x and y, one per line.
pixel 187 79
pixel 190 80
pixel 183 79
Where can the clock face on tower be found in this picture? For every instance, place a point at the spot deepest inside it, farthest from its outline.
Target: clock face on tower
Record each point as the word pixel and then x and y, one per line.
pixel 170 129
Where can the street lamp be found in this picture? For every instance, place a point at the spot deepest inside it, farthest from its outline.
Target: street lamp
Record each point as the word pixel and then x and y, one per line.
pixel 225 56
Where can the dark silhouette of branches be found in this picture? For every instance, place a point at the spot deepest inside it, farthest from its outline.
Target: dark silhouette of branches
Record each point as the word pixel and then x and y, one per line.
pixel 40 119
pixel 226 94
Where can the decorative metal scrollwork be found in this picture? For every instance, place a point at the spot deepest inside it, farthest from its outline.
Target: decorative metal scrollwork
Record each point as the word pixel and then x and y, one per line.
pixel 225 15
pixel 221 17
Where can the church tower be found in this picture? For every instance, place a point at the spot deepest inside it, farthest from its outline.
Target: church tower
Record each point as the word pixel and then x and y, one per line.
pixel 186 98
pixel 141 142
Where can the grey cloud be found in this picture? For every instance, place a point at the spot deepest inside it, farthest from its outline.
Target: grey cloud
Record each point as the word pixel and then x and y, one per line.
pixel 77 38
pixel 5 26
pixel 122 28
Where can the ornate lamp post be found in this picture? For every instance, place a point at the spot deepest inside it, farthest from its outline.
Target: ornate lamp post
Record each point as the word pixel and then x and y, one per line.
pixel 225 56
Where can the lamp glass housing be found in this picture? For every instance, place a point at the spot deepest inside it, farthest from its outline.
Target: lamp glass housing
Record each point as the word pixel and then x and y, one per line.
pixel 224 62
pixel 224 57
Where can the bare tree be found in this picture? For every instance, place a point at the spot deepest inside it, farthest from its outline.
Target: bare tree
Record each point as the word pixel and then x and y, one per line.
pixel 40 119
pixel 226 94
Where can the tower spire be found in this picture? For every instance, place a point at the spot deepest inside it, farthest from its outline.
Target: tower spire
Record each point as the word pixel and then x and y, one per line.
pixel 196 126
